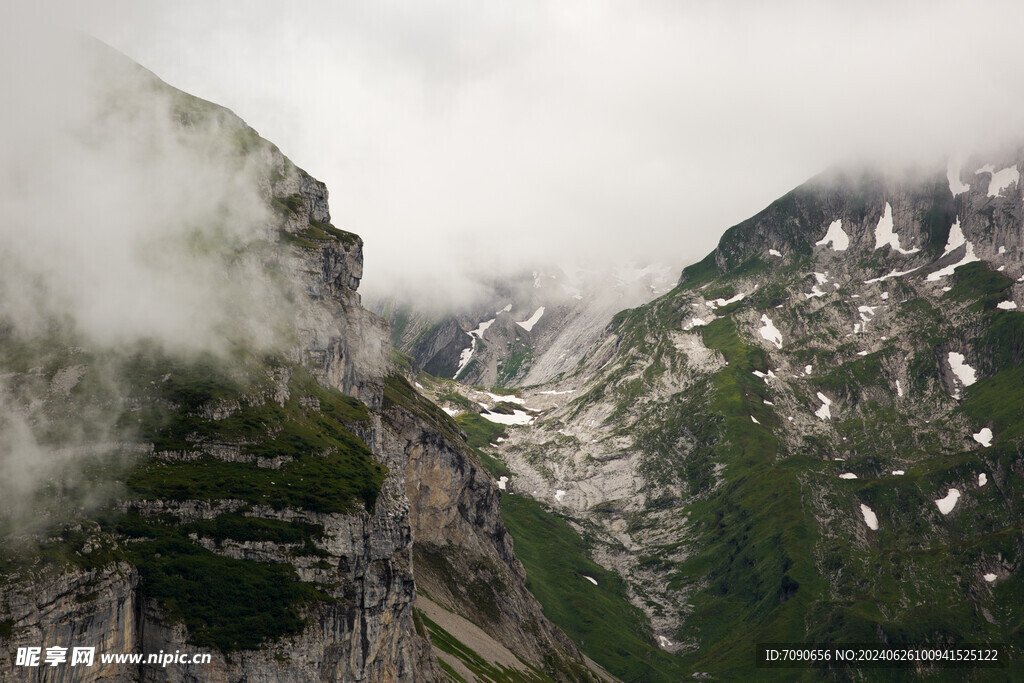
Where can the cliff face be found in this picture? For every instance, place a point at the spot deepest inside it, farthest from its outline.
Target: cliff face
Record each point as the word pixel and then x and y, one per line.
pixel 259 506
pixel 463 554
pixel 357 624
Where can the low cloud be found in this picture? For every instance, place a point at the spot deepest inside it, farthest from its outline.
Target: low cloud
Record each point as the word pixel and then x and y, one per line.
pixel 131 217
pixel 459 137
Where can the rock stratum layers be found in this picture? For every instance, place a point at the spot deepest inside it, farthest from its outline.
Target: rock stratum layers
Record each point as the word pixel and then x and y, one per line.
pixel 266 504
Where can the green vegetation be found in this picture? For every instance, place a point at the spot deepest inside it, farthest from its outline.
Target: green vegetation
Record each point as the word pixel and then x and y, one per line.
pixel 225 603
pixel 977 282
pixel 327 468
pixel 398 392
pixel 516 361
pixel 480 667
pixel 600 619
pixel 479 433
pixel 330 483
pixel 242 528
pixel 456 399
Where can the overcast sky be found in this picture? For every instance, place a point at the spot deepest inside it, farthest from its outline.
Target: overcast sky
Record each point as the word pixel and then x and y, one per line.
pixel 496 133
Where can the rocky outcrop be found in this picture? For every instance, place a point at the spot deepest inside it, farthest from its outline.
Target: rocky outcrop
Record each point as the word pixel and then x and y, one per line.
pixel 464 555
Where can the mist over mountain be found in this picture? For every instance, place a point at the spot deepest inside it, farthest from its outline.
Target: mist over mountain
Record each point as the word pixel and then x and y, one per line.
pixel 463 140
pixel 575 429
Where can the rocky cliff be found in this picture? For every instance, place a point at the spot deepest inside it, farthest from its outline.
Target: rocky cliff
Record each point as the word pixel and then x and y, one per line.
pixel 259 505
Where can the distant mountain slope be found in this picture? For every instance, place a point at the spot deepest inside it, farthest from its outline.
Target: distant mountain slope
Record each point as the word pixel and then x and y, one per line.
pixel 526 329
pixel 817 435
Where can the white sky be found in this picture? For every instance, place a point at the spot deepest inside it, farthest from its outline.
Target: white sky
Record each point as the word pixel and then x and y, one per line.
pixel 495 134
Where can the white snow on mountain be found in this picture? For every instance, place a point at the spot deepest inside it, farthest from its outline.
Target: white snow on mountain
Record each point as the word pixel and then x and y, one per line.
pixel 884 234
pixel 824 412
pixel 969 257
pixel 956 237
pixel 1000 180
pixel 518 417
pixel 770 332
pixel 869 517
pixel 956 186
pixel 891 274
pixel 839 240
pixel 963 371
pixel 528 324
pixel 947 504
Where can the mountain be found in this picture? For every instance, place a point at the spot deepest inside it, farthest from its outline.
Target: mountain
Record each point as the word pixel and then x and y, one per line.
pixel 285 502
pixel 816 436
pixel 525 328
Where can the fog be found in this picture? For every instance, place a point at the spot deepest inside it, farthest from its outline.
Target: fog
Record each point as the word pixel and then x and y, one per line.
pixel 116 220
pixel 124 223
pixel 472 137
pixel 460 140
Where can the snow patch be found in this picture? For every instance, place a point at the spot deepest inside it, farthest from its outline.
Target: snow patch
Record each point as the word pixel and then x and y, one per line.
pixel 590 579
pixel 885 295
pixel 956 237
pixel 963 371
pixel 559 495
pixel 696 322
pixel 774 252
pixel 824 412
pixel 502 483
pixel 899 389
pixel 835 235
pixel 664 642
pixel 770 332
pixel 558 393
pixel 984 437
pixel 754 420
pixel 808 369
pixel 969 257
pixel 869 517
pixel 947 504
pixel 418 385
pixel 451 413
pixel 884 234
pixel 1001 179
pixel 528 324
pixel 898 473
pixel 982 479
pixel 518 417
pixel 990 577
pixel 464 358
pixel 767 402
pixel 822 278
pixel 956 186
pixel 847 475
pixel 815 291
pixel 504 310
pixel 892 274
pixel 1007 305
pixel 719 303
pixel 510 398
